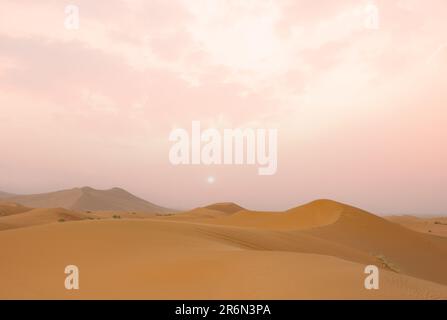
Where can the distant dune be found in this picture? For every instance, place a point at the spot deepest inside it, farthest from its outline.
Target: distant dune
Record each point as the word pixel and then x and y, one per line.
pixel 221 251
pixel 226 207
pixel 314 214
pixel 83 199
pixel 4 195
pixel 212 211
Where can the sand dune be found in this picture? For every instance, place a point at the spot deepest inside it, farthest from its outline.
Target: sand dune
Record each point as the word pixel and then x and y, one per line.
pixel 198 214
pixel 121 259
pixel 83 199
pixel 40 216
pixel 318 250
pixel 227 207
pixel 395 248
pixel 435 226
pixel 203 214
pixel 10 208
pixel 13 215
pixel 315 214
pixel 398 248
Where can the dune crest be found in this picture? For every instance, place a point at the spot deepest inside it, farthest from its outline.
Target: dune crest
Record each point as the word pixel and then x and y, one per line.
pixel 227 207
pixel 311 215
pixel 212 211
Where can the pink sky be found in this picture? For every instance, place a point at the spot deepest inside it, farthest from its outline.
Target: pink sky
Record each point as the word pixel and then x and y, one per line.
pixel 361 114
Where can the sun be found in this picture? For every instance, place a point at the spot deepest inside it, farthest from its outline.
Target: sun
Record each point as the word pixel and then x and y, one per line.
pixel 210 180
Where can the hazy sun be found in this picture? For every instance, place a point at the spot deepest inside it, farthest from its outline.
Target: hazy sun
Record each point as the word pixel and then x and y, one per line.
pixel 210 179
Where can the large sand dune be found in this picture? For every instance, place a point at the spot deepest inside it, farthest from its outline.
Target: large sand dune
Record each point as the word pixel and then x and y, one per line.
pixel 88 199
pixel 318 250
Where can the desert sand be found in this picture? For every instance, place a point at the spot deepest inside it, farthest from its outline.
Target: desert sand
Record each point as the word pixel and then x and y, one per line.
pixel 435 226
pixel 222 251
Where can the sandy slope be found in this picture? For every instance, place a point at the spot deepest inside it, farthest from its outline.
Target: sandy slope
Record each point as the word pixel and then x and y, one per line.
pixel 13 216
pixel 40 216
pixel 88 199
pixel 204 214
pixel 121 259
pixel 198 215
pixel 121 214
pixel 314 214
pixel 314 251
pixel 396 248
pixel 435 226
pixel 9 208
pixel 226 207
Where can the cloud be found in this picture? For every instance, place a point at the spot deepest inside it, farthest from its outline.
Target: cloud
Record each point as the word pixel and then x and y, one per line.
pixel 355 107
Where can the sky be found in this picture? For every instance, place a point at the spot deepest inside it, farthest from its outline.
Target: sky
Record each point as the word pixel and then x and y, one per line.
pixel 360 108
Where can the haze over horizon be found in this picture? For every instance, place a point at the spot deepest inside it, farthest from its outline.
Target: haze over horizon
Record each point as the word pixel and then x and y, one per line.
pixel 360 113
pixel 11 197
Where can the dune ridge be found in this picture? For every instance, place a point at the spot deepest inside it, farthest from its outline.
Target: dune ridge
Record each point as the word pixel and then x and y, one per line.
pixel 226 207
pixel 314 214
